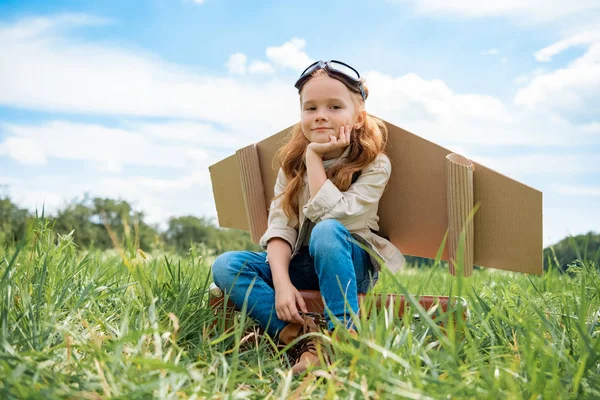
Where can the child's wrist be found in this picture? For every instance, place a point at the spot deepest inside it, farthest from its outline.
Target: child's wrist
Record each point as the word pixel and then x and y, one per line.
pixel 281 283
pixel 311 153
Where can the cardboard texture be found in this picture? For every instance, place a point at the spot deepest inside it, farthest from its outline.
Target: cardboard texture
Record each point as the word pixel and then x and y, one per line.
pixel 459 187
pixel 253 192
pixel 430 194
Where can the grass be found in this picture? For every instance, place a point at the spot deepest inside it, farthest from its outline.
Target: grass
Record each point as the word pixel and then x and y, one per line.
pixel 130 325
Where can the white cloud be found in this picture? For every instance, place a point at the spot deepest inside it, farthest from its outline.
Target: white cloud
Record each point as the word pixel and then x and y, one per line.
pixel 162 198
pixel 198 1
pixel 110 166
pixel 188 133
pixel 37 26
pixel 526 10
pixel 94 78
pixel 434 111
pixel 569 219
pixel 179 145
pixel 577 190
pixel 159 185
pixel 594 127
pixel 542 164
pixel 495 52
pixel 260 67
pixel 585 38
pixel 290 55
pixel 25 150
pixel 7 180
pixel 110 148
pixel 82 78
pixel 159 199
pixel 569 91
pixel 490 52
pixel 33 200
pixel 521 79
pixel 433 98
pixel 237 63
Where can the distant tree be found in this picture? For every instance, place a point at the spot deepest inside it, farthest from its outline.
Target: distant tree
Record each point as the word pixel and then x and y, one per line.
pixel 575 247
pixel 88 216
pixel 77 216
pixel 419 261
pixel 232 239
pixel 124 221
pixel 184 231
pixel 13 221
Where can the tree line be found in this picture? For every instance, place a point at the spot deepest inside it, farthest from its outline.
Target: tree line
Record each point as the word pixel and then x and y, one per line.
pixel 94 219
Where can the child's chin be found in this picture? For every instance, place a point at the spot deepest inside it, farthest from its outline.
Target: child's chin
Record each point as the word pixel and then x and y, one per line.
pixel 323 138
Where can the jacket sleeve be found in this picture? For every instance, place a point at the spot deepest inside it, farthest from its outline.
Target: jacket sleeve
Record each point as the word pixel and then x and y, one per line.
pixel 278 223
pixel 353 205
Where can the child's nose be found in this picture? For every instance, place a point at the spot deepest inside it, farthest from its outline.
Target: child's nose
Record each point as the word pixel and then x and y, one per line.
pixel 321 114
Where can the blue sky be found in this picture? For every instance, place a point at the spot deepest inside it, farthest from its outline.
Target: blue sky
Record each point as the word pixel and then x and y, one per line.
pixel 136 99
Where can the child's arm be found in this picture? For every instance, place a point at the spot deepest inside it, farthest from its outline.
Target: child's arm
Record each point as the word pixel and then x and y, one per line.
pixel 314 158
pixel 278 241
pixel 315 172
pixel 287 297
pixel 279 254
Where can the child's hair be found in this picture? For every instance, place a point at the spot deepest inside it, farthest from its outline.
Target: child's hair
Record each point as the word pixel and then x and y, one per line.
pixel 365 144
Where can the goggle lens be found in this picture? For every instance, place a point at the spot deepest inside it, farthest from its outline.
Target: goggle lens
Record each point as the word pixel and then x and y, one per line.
pixel 344 69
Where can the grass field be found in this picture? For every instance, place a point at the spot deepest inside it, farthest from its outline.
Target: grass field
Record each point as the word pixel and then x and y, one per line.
pixel 129 325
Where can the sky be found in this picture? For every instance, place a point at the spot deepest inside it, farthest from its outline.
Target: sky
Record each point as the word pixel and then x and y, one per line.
pixel 135 100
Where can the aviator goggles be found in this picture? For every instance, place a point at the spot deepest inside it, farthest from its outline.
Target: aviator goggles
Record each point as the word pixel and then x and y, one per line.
pixel 337 70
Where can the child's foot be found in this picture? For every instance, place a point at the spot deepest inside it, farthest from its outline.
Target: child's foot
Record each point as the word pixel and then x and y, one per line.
pixel 306 352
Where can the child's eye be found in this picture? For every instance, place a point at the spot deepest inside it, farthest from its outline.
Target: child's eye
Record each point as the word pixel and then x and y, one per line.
pixel 310 108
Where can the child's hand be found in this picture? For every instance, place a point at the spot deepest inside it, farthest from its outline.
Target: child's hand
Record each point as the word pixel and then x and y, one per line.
pixel 286 298
pixel 334 143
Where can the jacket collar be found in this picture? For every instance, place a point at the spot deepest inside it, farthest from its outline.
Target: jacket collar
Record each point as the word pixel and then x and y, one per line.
pixel 329 163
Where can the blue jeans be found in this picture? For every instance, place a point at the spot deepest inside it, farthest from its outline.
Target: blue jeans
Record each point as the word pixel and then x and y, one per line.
pixel 331 260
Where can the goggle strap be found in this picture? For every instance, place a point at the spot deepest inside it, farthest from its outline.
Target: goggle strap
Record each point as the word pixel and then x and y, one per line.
pixel 326 65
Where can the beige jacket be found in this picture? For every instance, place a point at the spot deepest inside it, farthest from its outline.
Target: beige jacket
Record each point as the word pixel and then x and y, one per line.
pixel 355 208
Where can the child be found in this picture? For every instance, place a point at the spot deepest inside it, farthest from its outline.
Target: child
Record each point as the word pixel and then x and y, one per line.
pixel 333 173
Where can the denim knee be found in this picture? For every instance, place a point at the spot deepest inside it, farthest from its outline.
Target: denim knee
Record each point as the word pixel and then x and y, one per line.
pixel 225 268
pixel 327 235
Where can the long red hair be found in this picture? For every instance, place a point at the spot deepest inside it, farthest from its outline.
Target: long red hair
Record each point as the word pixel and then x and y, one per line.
pixel 365 144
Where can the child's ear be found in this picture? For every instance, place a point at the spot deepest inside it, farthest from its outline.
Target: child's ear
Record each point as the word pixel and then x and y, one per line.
pixel 360 119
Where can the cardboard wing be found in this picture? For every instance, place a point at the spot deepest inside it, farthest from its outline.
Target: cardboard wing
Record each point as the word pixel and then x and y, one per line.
pixel 430 194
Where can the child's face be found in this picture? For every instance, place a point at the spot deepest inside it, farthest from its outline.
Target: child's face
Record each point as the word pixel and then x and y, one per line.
pixel 327 103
